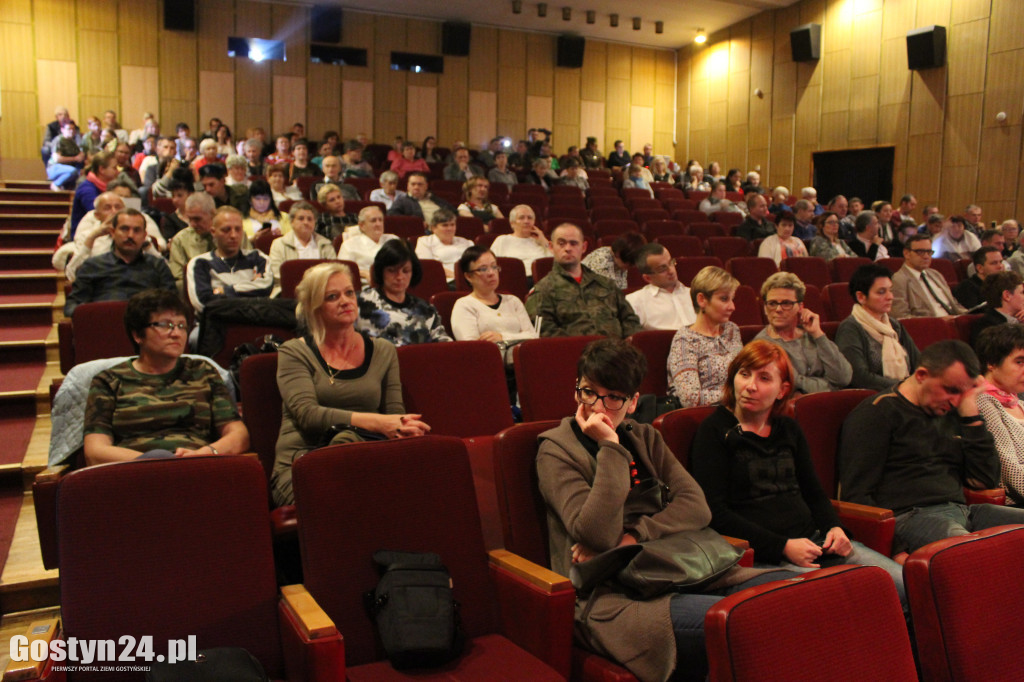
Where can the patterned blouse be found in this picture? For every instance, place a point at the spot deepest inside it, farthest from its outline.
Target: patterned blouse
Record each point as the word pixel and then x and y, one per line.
pixel 602 261
pixel 698 365
pixel 414 321
pixel 1008 433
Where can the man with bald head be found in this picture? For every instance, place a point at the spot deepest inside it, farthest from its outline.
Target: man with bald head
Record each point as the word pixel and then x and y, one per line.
pixel 527 242
pixel 196 238
pixel 229 269
pixel 331 166
pixel 572 300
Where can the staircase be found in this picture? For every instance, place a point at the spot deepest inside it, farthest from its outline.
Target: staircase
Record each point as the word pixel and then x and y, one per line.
pixel 31 302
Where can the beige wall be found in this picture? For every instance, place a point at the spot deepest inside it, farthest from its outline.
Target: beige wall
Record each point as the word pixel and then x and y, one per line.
pixel 949 146
pixel 92 55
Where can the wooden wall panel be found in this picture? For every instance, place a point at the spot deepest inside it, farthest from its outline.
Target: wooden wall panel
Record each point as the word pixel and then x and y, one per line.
pixel 178 82
pixel 137 29
pixel 1007 26
pixel 289 102
pixel 217 99
pixel 57 87
pixel 16 11
pixel 140 93
pixel 962 134
pixel 957 188
pixel 567 102
pixel 864 52
pixel 54 30
pixel 642 77
pixel 540 76
pixel 512 84
pixel 289 24
pixel 357 109
pixel 453 101
pixel 324 86
pixel 253 84
pixel 595 72
pixel 864 109
pixel 664 110
pixel 1004 87
pixel 321 119
pixel 173 111
pixel 540 112
pixel 641 128
pixel 923 167
pixel 736 143
pixel 893 120
pixel 17 65
pixel 933 12
pixel 895 76
pixel 1000 148
pixel 99 15
pixel 252 19
pixel 969 10
pixel 898 17
pixel 784 90
pixel 808 116
pixel 966 58
pixel 215 21
pixel 781 153
pixel 835 85
pixel 20 131
pixel 483 118
pixel 483 62
pixel 620 61
pixel 617 111
pixel 592 122
pixel 738 107
pixel 838 27
pixel 97 65
pixel 422 116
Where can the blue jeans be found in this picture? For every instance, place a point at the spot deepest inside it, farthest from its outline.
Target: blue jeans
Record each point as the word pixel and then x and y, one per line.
pixel 921 525
pixel 687 612
pixel 62 174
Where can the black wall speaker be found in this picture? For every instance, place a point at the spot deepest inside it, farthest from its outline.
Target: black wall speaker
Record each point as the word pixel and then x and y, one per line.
pixel 926 47
pixel 805 42
pixel 325 24
pixel 570 51
pixel 455 38
pixel 179 15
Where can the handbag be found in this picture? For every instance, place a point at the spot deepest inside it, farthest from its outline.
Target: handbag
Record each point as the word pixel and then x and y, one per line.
pixel 687 561
pixel 223 664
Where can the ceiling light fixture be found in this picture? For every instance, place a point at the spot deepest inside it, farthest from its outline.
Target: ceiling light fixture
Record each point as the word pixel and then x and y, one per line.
pixel 659 27
pixel 542 10
pixel 701 38
pixel 636 23
pixel 613 20
pixel 591 16
pixel 567 14
pixel 517 6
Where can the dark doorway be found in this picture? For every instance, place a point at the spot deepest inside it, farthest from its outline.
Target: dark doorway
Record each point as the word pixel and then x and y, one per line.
pixel 864 173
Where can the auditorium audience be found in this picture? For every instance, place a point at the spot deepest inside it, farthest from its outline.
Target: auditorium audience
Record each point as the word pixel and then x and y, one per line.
pixel 263 212
pixel 418 201
pixel 388 190
pixel 442 244
pixel 701 352
pixel 756 224
pixel 1001 353
pixel 485 314
pixel 828 244
pixel 229 270
pixel 918 290
pixel 613 262
pixel 866 243
pixel 987 261
pixel 160 404
pixel 665 302
pixel 501 173
pixel 817 363
pixel 956 242
pixel 362 246
pixel 716 201
pixel 477 203
pixel 1004 302
pixel 277 178
pixel 332 176
pixel 334 220
pixel 102 170
pixel 878 348
pixel 782 244
pixel 301 242
pixel 408 162
pixel 337 384
pixel 527 242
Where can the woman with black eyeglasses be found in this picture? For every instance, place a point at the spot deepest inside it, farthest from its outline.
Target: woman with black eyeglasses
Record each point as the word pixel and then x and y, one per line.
pixel 485 314
pixel 818 364
pixel 160 404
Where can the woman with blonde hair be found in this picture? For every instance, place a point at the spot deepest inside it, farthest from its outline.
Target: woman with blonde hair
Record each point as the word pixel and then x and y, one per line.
pixel 337 384
pixel 700 354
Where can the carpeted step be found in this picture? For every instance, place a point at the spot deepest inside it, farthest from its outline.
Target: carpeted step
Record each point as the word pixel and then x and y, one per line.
pixel 23 281
pixel 31 221
pixel 21 194
pixel 28 239
pixel 34 208
pixel 26 309
pixel 25 259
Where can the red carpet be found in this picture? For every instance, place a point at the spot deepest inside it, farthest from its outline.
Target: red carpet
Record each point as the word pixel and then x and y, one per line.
pixel 10 506
pixel 16 429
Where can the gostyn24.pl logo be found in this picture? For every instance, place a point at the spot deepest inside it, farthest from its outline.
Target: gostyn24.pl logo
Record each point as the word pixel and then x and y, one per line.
pixel 126 649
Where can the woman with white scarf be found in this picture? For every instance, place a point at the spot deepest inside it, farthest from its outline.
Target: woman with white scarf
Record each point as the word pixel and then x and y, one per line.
pixel 878 348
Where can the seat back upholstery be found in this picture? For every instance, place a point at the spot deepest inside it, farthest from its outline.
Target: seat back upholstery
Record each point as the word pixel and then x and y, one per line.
pixel 810 270
pixel 679 427
pixel 471 400
pixel 839 300
pixel 842 268
pixel 546 375
pixel 402 495
pixel 927 330
pixel 521 507
pixel 98 331
pixel 821 417
pixel 865 636
pixel 292 272
pixel 655 345
pixel 513 276
pixel 444 302
pixel 966 596
pixel 751 270
pixel 433 281
pixel 261 405
pixel 170 548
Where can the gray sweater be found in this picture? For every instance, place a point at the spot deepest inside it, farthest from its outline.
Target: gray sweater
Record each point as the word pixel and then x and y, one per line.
pixel 818 364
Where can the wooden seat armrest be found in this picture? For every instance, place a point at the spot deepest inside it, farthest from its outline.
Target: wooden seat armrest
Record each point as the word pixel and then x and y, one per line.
pixel 45 630
pixel 547 580
pixel 862 511
pixel 52 474
pixel 739 543
pixel 314 621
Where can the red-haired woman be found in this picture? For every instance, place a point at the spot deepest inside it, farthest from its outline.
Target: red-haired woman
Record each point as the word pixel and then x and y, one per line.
pixel 755 468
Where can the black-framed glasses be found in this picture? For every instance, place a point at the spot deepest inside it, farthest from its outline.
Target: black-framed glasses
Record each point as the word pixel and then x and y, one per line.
pixel 168 327
pixel 486 269
pixel 665 268
pixel 589 397
pixel 785 305
pixel 923 252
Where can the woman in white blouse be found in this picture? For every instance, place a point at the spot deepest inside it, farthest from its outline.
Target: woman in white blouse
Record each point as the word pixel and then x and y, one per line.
pixel 442 244
pixel 485 314
pixel 1001 351
pixel 301 243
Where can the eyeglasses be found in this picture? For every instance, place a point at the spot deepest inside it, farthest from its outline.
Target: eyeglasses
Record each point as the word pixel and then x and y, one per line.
pixel 168 327
pixel 487 269
pixel 589 398
pixel 665 268
pixel 785 305
pixel 923 252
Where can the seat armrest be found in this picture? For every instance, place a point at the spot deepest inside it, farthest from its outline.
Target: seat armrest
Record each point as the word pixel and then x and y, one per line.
pixel 313 649
pixel 536 607
pixel 738 543
pixel 44 494
pixel 995 496
pixel 39 630
pixel 872 526
pixel 65 345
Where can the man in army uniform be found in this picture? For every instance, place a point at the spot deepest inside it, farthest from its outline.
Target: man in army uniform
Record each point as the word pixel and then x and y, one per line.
pixel 572 300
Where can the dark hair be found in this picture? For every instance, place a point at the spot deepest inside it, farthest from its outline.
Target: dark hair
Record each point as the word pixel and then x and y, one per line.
pixel 785 216
pixel 472 255
pixel 213 170
pixel 995 344
pixel 614 364
pixel 640 256
pixel 128 212
pixel 143 305
pixel 353 146
pixel 939 356
pixel 419 174
pixel 626 245
pixel 981 255
pixel 993 287
pixel 396 252
pixel 819 221
pixel 988 234
pixel 301 142
pixel 921 237
pixel 863 278
pixel 262 187
pixel 755 355
pixel 182 126
pixel 184 176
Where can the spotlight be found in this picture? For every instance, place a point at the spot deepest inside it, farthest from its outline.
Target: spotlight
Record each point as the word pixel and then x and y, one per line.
pixel 542 10
pixel 659 27
pixel 613 20
pixel 567 14
pixel 256 55
pixel 517 6
pixel 636 23
pixel 591 16
pixel 701 38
